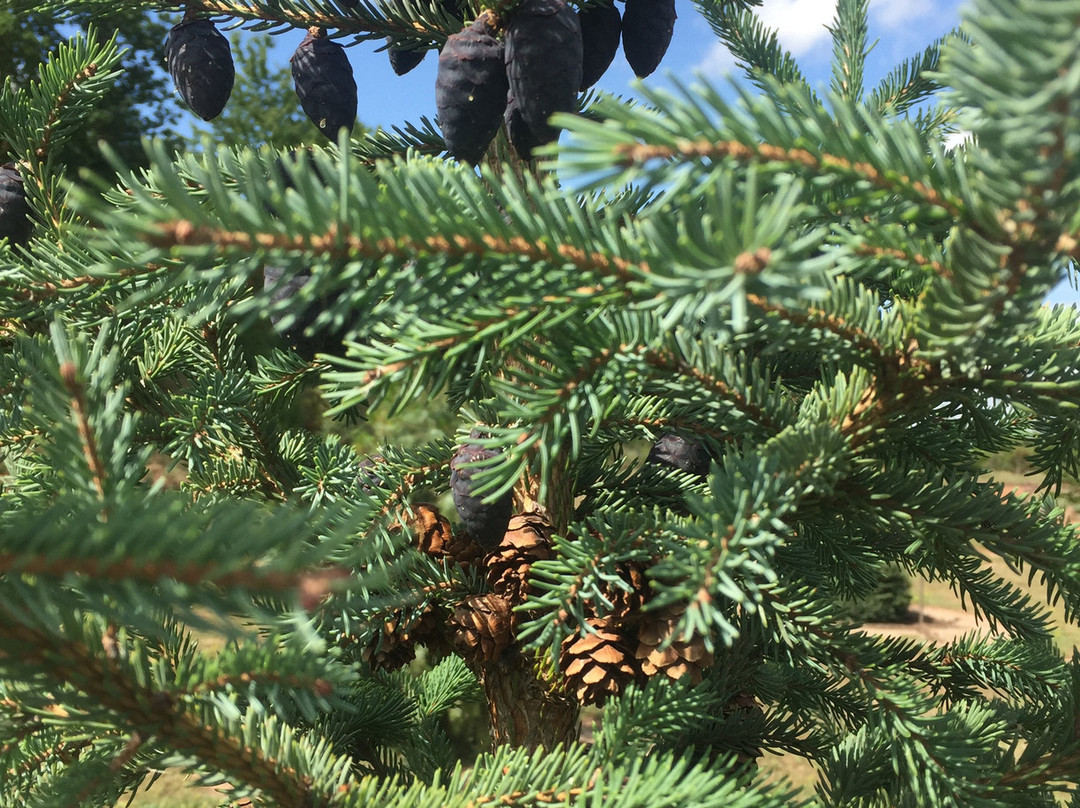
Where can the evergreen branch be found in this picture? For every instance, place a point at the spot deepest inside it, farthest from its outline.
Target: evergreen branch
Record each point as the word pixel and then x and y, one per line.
pixel 155 712
pixel 399 142
pixel 254 579
pixel 326 17
pixel 630 155
pixel 663 360
pixel 336 243
pixel 68 375
pixel 273 470
pixel 33 292
pixel 849 49
pixel 813 318
pixel 362 21
pixel 911 81
pixel 758 51
pixel 878 251
pixel 60 99
pixel 54 116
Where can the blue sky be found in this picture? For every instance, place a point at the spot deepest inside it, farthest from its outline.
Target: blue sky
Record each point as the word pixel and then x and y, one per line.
pixel 898 29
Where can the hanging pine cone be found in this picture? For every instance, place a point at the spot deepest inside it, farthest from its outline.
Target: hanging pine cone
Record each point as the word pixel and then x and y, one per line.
pixel 647 26
pixel 200 63
pixel 368 477
pixel 15 223
pixel 435 537
pixel 597 664
pixel 482 627
pixel 402 60
pixel 681 453
pixel 324 83
pixel 485 521
pixel 520 134
pixel 395 644
pixel 625 597
pixel 326 340
pixel 544 62
pixel 660 651
pixel 601 27
pixel 527 539
pixel 470 89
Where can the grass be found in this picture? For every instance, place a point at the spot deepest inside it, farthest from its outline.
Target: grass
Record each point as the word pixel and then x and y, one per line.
pixel 173 790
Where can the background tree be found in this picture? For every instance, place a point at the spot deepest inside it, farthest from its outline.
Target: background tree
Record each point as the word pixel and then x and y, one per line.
pixel 818 322
pixel 140 103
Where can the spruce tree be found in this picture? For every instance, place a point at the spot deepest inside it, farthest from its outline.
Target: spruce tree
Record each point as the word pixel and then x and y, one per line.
pixel 723 354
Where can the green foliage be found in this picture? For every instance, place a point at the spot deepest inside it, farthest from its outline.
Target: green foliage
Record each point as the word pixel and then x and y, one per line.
pixel 135 103
pixel 845 316
pixel 888 602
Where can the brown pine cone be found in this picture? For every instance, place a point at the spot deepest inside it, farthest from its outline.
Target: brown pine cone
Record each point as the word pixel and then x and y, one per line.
pixel 597 664
pixel 660 652
pixel 482 627
pixel 435 537
pixel 527 539
pixel 626 603
pixel 395 646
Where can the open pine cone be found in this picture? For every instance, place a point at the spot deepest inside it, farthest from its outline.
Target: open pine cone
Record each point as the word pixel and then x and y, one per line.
pixel 627 598
pixel 435 537
pixel 527 539
pixel 395 646
pixel 482 627
pixel 659 651
pixel 597 664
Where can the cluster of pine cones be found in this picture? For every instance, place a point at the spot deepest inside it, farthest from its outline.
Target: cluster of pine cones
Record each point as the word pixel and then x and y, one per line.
pixel 200 63
pixel 619 644
pixel 517 70
pixel 521 69
pixel 625 644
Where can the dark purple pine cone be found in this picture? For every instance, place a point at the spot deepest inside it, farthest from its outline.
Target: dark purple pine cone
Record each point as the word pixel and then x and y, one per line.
pixel 470 89
pixel 326 340
pixel 200 63
pixel 368 477
pixel 544 62
pixel 679 453
pixel 402 60
pixel 647 26
pixel 15 223
pixel 485 522
pixel 520 133
pixel 324 83
pixel 601 27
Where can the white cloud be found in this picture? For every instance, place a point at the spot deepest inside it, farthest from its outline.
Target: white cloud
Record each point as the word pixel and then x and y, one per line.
pixel 799 24
pixel 961 137
pixel 718 62
pixel 897 13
